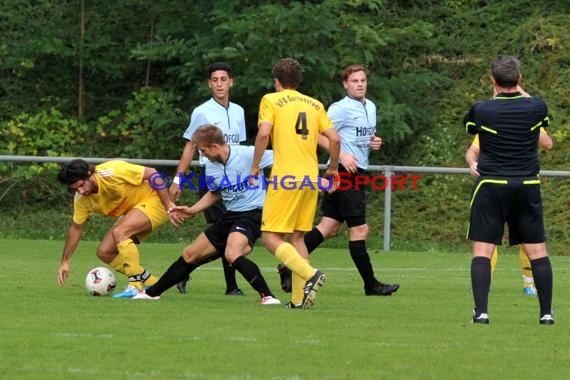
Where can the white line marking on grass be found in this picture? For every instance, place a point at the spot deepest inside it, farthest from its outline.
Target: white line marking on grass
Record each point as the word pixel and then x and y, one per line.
pixel 83 335
pixel 244 339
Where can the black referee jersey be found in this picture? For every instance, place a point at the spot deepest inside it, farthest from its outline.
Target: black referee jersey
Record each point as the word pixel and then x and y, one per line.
pixel 508 126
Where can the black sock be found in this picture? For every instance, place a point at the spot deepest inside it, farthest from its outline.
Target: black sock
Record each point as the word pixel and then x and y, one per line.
pixel 542 273
pixel 480 282
pixel 361 259
pixel 178 271
pixel 313 239
pixel 250 271
pixel 230 275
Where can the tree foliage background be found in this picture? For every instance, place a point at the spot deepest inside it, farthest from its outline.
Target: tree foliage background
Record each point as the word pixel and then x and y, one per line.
pixel 119 79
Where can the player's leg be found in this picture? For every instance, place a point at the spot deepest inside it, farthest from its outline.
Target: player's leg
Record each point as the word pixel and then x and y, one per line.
pixel 494 259
pixel 213 214
pixel 481 279
pixel 542 270
pixel 489 204
pixel 329 225
pixel 526 272
pixel 304 222
pixel 281 213
pixel 127 260
pixel 279 218
pixel 530 232
pixel 199 252
pixel 238 246
pixel 155 212
pixel 357 234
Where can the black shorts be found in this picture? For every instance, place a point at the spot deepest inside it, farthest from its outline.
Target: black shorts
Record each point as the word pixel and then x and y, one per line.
pixel 515 201
pixel 247 223
pixel 346 205
pixel 217 210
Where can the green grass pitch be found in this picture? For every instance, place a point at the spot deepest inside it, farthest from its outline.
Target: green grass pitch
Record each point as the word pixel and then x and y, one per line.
pixel 422 332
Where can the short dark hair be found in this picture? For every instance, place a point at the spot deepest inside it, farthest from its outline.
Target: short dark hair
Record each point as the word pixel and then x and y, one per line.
pixel 208 134
pixel 288 72
pixel 506 70
pixel 75 170
pixel 220 66
pixel 353 69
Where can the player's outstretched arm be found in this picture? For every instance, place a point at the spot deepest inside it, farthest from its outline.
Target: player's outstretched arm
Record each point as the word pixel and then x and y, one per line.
pixel 73 237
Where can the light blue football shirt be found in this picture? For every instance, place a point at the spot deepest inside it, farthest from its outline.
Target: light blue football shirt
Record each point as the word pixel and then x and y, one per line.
pixel 231 179
pixel 355 123
pixel 230 120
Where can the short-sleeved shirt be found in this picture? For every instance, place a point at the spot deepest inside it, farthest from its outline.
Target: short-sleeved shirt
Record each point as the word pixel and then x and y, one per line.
pixel 230 120
pixel 121 187
pixel 355 122
pixel 231 179
pixel 297 120
pixel 508 127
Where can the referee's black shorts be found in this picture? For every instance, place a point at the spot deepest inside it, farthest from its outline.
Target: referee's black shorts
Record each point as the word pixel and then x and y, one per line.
pixel 515 201
pixel 247 223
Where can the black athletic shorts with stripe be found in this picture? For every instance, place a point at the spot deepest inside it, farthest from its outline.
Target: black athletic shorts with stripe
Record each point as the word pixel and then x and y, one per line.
pixel 515 201
pixel 247 223
pixel 346 205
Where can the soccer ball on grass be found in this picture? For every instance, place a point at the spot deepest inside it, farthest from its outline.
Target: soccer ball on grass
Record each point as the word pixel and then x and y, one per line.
pixel 100 281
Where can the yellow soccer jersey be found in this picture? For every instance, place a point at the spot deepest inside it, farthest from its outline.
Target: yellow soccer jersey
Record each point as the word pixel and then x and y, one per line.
pixel 476 138
pixel 121 187
pixel 297 120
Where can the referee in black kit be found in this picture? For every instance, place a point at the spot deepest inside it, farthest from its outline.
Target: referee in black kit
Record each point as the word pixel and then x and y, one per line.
pixel 508 189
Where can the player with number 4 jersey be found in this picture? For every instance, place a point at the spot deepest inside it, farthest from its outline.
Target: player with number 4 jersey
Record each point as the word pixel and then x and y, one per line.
pixel 293 121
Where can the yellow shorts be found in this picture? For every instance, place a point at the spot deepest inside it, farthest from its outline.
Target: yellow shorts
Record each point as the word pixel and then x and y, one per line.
pixel 154 211
pixel 286 211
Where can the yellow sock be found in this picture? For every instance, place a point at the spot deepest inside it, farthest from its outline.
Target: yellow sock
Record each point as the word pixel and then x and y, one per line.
pixel 127 263
pixel 526 270
pixel 297 285
pixel 289 256
pixel 151 280
pixel 494 259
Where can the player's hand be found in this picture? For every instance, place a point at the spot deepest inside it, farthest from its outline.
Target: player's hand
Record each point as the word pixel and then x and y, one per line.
pixel 254 173
pixel 349 161
pixel 174 192
pixel 63 273
pixel 331 175
pixel 179 214
pixel 375 142
pixel 473 169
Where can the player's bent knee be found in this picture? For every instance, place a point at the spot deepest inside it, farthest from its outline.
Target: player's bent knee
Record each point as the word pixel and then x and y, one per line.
pixel 105 255
pixel 358 232
pixel 190 255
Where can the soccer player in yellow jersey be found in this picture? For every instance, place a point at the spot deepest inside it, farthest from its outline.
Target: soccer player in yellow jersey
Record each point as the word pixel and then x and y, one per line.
pixel 471 156
pixel 134 194
pixel 293 121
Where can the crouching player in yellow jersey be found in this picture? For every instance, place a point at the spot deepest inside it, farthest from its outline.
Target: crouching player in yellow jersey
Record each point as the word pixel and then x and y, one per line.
pixel 471 156
pixel 132 193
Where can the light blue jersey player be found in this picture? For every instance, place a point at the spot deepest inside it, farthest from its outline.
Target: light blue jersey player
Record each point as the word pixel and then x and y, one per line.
pixel 355 122
pixel 233 235
pixel 227 116
pixel 229 119
pixel 231 179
